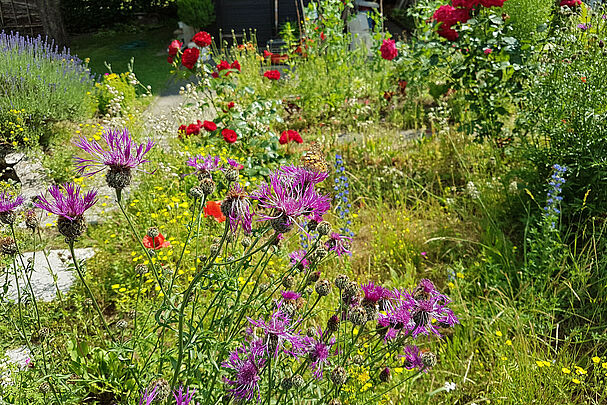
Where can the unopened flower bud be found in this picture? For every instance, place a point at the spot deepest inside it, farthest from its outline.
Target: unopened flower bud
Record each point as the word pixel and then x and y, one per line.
pixel 323 287
pixel 207 185
pixel 298 381
pixel 245 242
pixel 286 384
pixel 358 359
pixel 339 375
pixel 312 224
pixel 162 387
pixel 333 324
pixel 429 359
pixel 313 277
pixel 231 174
pixel 44 388
pixel 341 280
pixel 31 220
pixel 384 375
pixel 311 332
pixel 335 401
pixel 122 324
pixel 153 232
pixel 215 248
pixel 8 217
pixel 324 228
pixel 287 282
pixel 358 315
pixel 8 246
pixel 196 192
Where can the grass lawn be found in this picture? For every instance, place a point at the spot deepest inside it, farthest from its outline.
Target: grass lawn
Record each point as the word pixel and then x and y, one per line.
pixel 147 47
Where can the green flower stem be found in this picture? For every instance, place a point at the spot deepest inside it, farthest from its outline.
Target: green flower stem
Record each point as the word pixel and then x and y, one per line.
pixel 88 290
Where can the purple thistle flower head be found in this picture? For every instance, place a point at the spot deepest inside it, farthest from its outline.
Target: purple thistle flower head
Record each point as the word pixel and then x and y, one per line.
pixel 233 164
pixel 204 165
pixel 339 244
pixel 279 334
pixel 9 202
pixel 290 295
pixel 246 362
pixel 183 398
pixel 374 293
pixel 237 208
pixel 68 201
pixel 148 396
pixel 299 256
pixel 303 175
pixel 122 153
pixel 319 353
pixel 412 358
pixel 287 198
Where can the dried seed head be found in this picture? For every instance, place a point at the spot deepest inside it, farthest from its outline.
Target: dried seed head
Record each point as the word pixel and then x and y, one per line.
pixel 196 192
pixel 298 381
pixel 71 229
pixel 122 324
pixel 341 280
pixel 324 228
pixel 31 220
pixel 207 185
pixel 118 177
pixel 153 232
pixel 384 375
pixel 8 217
pixel 8 246
pixel 287 282
pixel 323 287
pixel 357 315
pixel 231 174
pixel 429 359
pixel 333 324
pixel 339 375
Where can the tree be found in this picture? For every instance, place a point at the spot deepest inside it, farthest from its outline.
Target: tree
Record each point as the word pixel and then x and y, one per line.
pixel 52 21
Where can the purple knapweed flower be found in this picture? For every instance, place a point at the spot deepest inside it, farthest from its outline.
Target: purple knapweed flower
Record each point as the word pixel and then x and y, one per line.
pixel 339 244
pixel 237 208
pixel 412 358
pixel 148 397
pixel 290 295
pixel 246 362
pixel 279 335
pixel 183 398
pixel 373 292
pixel 319 352
pixel 8 203
pixel 204 165
pixel 69 206
pixel 583 26
pixel 287 198
pixel 299 257
pixel 122 156
pixel 303 175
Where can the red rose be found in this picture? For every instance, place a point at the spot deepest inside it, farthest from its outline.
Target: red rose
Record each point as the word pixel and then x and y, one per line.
pixel 193 129
pixel 284 138
pixel 190 57
pixel 209 126
pixel 388 49
pixel 215 75
pixel 202 39
pixel 465 3
pixel 267 54
pixel 155 243
pixel 182 129
pixel 229 136
pixel 494 3
pixel 447 32
pixel 272 74
pixel 235 65
pixel 223 65
pixel 294 136
pixel 570 3
pixel 174 47
pixel 449 15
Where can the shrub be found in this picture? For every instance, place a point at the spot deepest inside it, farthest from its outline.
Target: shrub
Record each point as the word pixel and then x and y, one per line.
pixel 197 13
pixel 528 17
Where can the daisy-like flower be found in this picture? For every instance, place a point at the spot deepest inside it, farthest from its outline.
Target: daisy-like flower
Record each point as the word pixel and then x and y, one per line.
pixel 246 363
pixel 319 353
pixel 299 257
pixel 204 165
pixel 8 204
pixel 148 396
pixel 237 208
pixel 288 198
pixel 122 156
pixel 279 335
pixel 69 205
pixel 183 398
pixel 339 244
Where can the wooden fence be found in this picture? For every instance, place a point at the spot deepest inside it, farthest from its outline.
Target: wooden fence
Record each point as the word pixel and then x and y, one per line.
pixel 21 16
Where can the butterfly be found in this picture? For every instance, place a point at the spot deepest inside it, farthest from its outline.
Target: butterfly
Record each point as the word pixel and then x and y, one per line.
pixel 314 159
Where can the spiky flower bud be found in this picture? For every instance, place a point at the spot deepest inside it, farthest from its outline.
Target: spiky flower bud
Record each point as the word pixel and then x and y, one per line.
pixel 31 220
pixel 313 277
pixel 287 282
pixel 324 228
pixel 319 254
pixel 44 388
pixel 163 389
pixel 8 246
pixel 357 315
pixel 281 224
pixel 8 217
pixel 384 375
pixel 339 375
pixel 118 177
pixel 122 324
pixel 153 232
pixel 323 287
pixel 71 229
pixel 286 384
pixel 207 185
pixel 429 359
pixel 333 324
pixel 350 290
pixel 231 174
pixel 245 242
pixel 341 281
pixel 141 269
pixel 298 381
pixel 196 192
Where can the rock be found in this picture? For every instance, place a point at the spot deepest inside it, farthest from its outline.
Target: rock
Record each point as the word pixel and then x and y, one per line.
pixel 59 266
pixel 15 359
pixel 32 175
pixel 13 158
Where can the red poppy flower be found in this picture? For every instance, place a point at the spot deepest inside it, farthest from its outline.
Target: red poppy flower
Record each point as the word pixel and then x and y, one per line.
pixel 155 243
pixel 267 54
pixel 322 36
pixel 209 126
pixel 213 209
pixel 215 75
pixel 202 39
pixel 190 57
pixel 182 128
pixel 229 106
pixel 174 47
pixel 229 135
pixel 284 138
pixel 272 74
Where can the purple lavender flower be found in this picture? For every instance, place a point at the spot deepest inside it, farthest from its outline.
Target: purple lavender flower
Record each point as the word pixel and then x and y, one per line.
pixel 412 358
pixel 237 208
pixel 279 334
pixel 204 165
pixel 290 295
pixel 70 208
pixel 183 398
pixel 319 352
pixel 246 362
pixel 148 397
pixel 8 203
pixel 299 256
pixel 339 244
pixel 287 198
pixel 122 156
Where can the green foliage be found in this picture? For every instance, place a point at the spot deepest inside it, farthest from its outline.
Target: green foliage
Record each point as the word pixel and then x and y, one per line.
pixel 197 13
pixel 528 18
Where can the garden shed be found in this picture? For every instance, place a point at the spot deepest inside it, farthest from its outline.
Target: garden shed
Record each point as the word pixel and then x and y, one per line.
pixel 20 15
pixel 265 17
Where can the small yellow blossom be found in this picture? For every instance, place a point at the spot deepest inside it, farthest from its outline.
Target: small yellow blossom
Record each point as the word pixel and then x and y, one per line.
pixel 575 381
pixel 565 370
pixel 596 360
pixel 498 333
pixel 509 342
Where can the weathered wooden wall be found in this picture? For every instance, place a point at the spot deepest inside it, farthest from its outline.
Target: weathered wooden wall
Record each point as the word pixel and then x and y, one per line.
pixel 20 16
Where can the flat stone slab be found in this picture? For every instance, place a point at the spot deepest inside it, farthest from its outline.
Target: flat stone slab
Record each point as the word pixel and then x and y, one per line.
pixel 59 266
pixel 14 360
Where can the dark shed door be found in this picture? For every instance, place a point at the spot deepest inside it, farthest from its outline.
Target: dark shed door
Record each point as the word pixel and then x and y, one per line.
pixel 239 15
